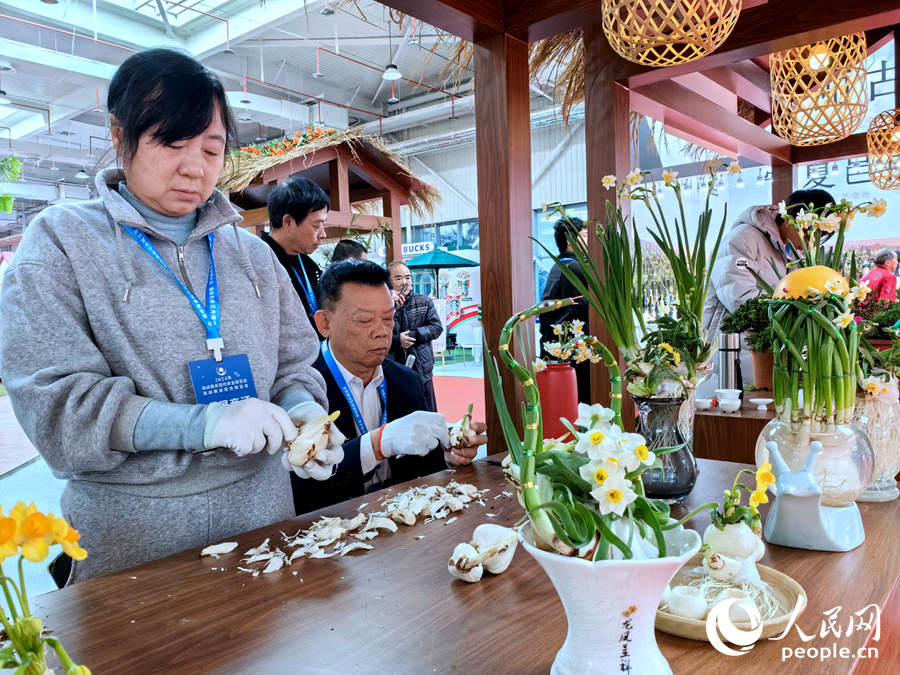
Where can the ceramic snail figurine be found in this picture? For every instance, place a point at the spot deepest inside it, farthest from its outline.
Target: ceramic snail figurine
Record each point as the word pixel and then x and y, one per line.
pixel 797 517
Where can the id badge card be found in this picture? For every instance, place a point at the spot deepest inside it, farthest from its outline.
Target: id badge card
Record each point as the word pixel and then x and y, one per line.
pixel 226 381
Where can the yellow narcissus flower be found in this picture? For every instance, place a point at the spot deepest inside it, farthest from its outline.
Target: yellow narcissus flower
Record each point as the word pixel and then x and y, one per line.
pixel 34 533
pixel 540 365
pixel 758 497
pixel 764 476
pixel 68 537
pixel 8 546
pixel 807 282
pixel 669 177
pixel 633 178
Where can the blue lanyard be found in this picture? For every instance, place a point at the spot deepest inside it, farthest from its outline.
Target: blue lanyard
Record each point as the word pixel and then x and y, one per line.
pixel 345 390
pixel 307 287
pixel 208 314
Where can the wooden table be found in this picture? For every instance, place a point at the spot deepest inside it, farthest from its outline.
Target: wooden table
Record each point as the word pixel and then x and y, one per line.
pixel 731 437
pixel 397 610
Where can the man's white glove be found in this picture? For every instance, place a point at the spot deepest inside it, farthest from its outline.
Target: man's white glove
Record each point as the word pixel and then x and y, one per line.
pixel 321 466
pixel 415 434
pixel 247 427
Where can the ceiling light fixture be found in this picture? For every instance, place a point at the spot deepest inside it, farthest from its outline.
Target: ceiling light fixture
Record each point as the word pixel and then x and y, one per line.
pixel 3 99
pixel 414 40
pixel 82 174
pixel 393 98
pixel 54 167
pixel 391 72
pixel 50 2
pixel 740 181
pixel 318 72
pixel 326 10
pixel 760 178
pixel 97 109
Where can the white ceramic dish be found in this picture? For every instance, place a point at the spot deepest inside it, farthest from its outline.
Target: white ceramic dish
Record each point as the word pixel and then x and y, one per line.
pixel 729 406
pixel 728 394
pixel 761 403
pixel 702 403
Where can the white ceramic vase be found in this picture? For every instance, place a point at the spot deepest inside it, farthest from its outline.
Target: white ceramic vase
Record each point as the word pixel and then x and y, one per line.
pixel 611 607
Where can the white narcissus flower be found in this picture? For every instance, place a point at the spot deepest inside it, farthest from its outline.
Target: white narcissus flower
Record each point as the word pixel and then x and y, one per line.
pixel 614 495
pixel 634 452
pixel 782 209
pixel 596 472
pixel 633 178
pixel 833 287
pixel 734 168
pixel 669 177
pixel 577 328
pixel 862 290
pixel 540 365
pixel 877 208
pixel 609 181
pixel 831 223
pixel 557 328
pixel 593 416
pixel 843 320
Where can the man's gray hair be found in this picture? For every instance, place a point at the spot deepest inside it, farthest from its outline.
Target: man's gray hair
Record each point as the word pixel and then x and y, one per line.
pixel 883 255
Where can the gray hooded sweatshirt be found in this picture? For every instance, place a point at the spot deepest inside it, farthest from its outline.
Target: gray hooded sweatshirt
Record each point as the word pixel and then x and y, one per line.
pixel 752 241
pixel 95 340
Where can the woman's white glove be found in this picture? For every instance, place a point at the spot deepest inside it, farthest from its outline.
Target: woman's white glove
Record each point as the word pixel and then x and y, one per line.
pixel 247 427
pixel 415 434
pixel 321 466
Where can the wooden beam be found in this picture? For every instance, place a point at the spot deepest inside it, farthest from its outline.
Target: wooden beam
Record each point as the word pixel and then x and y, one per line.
pixel 747 80
pixel 773 27
pixel 680 108
pixel 503 152
pixel 471 20
pixel 252 217
pixel 282 172
pixel 852 146
pixel 608 149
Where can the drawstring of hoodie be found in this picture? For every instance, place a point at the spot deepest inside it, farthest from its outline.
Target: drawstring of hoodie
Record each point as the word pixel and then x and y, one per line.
pixel 125 264
pixel 245 261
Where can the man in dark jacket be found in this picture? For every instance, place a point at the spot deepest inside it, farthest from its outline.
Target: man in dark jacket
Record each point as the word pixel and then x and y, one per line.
pixel 558 288
pixel 298 209
pixel 392 436
pixel 416 326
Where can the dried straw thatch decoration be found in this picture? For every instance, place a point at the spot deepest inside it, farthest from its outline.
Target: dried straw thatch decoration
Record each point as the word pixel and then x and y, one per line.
pixel 245 167
pixel 566 49
pixel 819 90
pixel 664 33
pixel 883 138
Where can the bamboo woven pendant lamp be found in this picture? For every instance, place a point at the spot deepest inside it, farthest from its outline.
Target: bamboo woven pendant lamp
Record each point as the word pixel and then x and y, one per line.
pixel 884 150
pixel 819 90
pixel 666 33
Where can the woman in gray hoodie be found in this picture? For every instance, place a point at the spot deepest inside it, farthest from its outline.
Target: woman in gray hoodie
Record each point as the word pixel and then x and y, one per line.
pixel 129 323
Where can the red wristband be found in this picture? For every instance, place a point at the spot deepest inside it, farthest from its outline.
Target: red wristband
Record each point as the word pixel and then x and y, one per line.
pixel 377 447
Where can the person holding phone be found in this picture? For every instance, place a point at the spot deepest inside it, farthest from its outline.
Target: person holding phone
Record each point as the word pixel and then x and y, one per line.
pixel 416 326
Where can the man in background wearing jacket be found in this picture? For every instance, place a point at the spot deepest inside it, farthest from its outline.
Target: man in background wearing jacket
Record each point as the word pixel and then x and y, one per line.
pixel 416 326
pixel 759 236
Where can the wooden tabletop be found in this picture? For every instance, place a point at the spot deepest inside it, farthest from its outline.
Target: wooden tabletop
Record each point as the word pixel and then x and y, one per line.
pixel 396 609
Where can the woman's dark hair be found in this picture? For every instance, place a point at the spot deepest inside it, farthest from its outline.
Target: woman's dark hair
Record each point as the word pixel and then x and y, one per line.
pixel 167 91
pixel 564 226
pixel 297 197
pixel 350 271
pixel 801 199
pixel 346 249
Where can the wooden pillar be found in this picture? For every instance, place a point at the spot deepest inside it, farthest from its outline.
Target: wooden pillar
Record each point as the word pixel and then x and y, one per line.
pixel 339 181
pixel 782 181
pixel 393 245
pixel 503 149
pixel 608 146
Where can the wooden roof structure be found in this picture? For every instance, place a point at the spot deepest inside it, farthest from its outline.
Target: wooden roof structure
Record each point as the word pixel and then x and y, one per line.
pixel 698 100
pixel 357 172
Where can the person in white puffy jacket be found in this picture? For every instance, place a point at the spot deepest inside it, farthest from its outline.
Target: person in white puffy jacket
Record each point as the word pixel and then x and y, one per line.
pixel 758 236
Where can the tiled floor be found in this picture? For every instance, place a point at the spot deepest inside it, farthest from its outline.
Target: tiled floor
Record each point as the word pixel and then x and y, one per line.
pixel 15 449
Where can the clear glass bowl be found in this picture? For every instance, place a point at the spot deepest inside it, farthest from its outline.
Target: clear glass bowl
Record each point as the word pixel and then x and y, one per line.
pixel 880 420
pixel 843 468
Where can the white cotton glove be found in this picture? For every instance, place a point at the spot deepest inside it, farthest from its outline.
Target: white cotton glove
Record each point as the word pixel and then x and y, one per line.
pixel 321 466
pixel 415 434
pixel 247 427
